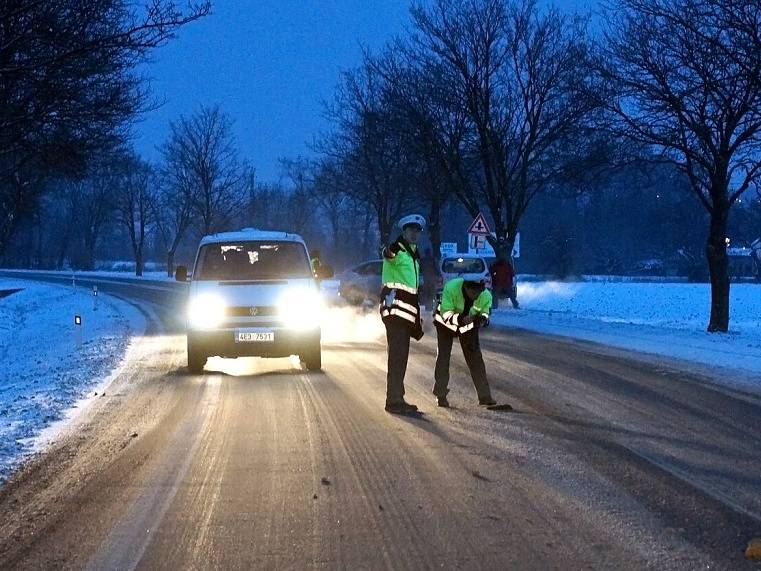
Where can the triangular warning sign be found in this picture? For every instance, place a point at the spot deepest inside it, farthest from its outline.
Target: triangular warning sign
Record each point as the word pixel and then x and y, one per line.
pixel 479 226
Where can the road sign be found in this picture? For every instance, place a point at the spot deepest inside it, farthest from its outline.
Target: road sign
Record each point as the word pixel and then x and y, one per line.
pixel 479 226
pixel 478 245
pixel 448 249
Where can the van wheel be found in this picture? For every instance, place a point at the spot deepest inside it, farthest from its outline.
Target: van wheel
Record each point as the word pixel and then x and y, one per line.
pixel 196 359
pixel 313 358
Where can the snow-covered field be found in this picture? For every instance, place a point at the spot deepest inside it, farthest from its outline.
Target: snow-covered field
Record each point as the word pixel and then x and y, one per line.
pixel 45 370
pixel 667 319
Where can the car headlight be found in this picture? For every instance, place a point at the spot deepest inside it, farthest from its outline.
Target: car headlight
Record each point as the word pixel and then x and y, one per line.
pixel 301 308
pixel 205 312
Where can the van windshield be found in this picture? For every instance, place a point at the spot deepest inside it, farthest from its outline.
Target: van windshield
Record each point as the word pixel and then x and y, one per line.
pixel 255 260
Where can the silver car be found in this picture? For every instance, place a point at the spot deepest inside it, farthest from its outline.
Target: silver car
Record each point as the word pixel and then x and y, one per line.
pixel 362 282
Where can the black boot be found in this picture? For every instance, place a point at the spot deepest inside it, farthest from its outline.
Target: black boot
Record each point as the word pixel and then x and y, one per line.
pixel 401 407
pixel 442 402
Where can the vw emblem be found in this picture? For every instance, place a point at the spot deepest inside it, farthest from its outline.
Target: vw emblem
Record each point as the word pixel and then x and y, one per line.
pixel 253 311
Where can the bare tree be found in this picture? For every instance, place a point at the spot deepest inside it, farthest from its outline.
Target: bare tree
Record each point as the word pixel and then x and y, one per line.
pixel 332 197
pixel 516 79
pixel 201 152
pixel 172 211
pixel 369 152
pixel 685 78
pixel 135 205
pixel 68 85
pixel 416 112
pixel 92 202
pixel 301 197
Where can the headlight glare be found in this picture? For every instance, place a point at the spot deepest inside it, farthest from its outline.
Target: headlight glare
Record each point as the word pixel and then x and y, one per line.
pixel 205 312
pixel 301 308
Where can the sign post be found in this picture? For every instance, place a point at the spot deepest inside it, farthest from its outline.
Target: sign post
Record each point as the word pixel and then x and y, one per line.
pixel 477 233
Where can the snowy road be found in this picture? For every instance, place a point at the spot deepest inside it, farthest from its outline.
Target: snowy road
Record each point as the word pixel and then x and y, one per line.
pixel 608 463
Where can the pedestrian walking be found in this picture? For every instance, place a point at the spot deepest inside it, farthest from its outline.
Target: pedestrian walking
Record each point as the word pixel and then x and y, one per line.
pixel 503 282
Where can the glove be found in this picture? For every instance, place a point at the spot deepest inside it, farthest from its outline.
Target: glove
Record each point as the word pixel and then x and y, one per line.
pixel 395 247
pixel 417 330
pixel 480 320
pixel 391 250
pixel 467 320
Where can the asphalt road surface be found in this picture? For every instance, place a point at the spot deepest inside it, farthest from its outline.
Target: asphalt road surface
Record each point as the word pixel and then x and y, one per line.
pixel 607 462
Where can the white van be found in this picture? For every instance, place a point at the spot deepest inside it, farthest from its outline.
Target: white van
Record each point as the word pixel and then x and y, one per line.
pixel 253 293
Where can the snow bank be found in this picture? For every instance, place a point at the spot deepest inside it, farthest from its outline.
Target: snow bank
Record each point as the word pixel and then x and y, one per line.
pixel 45 371
pixel 666 319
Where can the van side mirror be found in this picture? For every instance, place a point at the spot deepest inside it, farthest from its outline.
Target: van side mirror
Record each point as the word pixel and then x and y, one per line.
pixel 181 274
pixel 324 272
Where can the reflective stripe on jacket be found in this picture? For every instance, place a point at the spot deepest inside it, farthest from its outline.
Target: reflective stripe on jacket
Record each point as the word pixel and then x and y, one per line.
pixel 451 310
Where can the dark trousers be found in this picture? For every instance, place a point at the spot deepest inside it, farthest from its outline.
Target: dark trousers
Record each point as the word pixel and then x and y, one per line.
pixel 398 340
pixel 471 349
pixel 506 291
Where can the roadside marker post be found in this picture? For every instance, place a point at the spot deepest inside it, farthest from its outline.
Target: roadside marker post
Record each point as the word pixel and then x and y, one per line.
pixel 95 298
pixel 78 329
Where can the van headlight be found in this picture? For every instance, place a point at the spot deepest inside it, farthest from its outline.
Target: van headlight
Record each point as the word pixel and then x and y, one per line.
pixel 206 311
pixel 301 308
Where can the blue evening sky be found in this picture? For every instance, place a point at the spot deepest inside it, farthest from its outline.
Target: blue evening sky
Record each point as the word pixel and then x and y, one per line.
pixel 269 64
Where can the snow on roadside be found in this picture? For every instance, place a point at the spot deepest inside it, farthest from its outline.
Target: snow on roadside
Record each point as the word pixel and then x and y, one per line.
pixel 44 371
pixel 667 319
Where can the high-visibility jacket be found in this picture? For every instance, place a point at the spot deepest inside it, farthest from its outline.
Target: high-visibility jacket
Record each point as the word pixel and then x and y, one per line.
pixel 452 308
pixel 400 276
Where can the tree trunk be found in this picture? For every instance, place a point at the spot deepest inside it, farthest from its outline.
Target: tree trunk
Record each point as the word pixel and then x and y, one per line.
pixel 7 228
pixel 89 257
pixel 434 229
pixel 367 248
pixel 718 267
pixel 63 248
pixel 139 262
pixel 385 227
pixel 170 263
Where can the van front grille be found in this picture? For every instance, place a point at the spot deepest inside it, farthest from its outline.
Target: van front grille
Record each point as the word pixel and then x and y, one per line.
pixel 252 311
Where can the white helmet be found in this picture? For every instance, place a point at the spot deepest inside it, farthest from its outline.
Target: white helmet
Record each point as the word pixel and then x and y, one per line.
pixel 412 219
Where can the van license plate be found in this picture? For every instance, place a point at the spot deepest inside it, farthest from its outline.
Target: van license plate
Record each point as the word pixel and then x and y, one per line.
pixel 254 336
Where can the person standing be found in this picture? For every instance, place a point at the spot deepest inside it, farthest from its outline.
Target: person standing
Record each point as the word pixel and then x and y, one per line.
pixel 400 307
pixel 503 282
pixel 463 310
pixel 316 261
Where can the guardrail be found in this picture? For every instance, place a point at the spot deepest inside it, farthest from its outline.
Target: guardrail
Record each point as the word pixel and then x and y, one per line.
pixel 92 277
